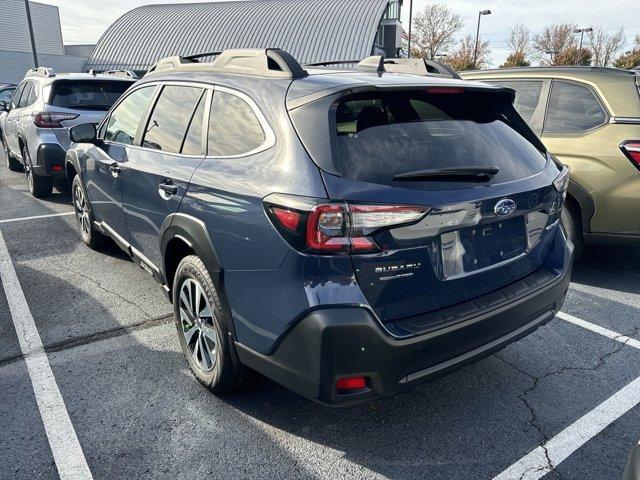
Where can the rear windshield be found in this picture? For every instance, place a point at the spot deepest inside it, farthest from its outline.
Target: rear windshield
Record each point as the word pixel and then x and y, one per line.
pixel 87 94
pixel 380 135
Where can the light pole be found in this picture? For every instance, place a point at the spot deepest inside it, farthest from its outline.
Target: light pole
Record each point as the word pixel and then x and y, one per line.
pixel 581 31
pixel 551 53
pixel 410 20
pixel 475 50
pixel 33 40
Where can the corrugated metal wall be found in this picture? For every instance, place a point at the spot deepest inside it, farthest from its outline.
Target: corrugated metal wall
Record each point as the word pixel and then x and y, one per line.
pixel 311 30
pixel 14 31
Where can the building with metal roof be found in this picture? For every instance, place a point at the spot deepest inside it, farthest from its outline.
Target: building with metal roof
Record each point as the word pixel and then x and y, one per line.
pixel 311 30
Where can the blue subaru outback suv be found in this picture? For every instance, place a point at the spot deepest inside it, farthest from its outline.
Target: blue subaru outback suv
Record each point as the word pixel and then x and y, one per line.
pixel 347 233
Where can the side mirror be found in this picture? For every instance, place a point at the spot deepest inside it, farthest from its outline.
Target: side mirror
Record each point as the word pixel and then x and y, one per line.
pixel 3 106
pixel 84 133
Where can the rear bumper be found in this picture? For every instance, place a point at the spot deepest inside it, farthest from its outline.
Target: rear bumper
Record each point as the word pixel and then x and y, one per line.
pixel 332 343
pixel 50 161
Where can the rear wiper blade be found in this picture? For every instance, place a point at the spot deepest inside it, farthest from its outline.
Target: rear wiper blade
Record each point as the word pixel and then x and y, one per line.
pixel 471 173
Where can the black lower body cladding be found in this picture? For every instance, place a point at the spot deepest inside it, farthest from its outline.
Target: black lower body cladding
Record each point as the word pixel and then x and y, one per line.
pixel 334 343
pixel 50 161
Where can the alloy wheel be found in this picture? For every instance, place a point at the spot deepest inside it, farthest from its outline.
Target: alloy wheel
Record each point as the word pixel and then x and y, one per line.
pixel 82 212
pixel 197 322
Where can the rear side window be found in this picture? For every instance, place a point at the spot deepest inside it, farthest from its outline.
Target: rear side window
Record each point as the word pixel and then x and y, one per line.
pixel 527 97
pixel 234 128
pixel 380 135
pixel 573 109
pixel 170 119
pixel 125 118
pixel 15 98
pixel 87 94
pixel 24 98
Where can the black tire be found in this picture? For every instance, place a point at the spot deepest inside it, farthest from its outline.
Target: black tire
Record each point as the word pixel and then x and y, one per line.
pixel 572 225
pixel 40 187
pixel 84 217
pixel 12 163
pixel 213 330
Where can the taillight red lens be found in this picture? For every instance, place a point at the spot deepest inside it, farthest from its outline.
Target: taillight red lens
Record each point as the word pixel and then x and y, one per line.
pixel 287 218
pixel 352 383
pixel 327 228
pixel 52 119
pixel 336 227
pixel 631 149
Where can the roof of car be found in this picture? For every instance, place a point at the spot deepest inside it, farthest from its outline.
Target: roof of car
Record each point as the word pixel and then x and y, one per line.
pixel 593 74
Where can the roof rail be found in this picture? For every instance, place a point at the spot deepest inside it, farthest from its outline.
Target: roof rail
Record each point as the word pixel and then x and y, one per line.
pixel 41 72
pixel 416 66
pixel 269 62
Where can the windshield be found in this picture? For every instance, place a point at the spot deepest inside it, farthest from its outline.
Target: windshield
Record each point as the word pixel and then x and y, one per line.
pixel 381 135
pixel 87 94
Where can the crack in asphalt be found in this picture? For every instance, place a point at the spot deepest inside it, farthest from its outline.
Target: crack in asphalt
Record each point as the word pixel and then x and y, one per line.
pixel 96 337
pixel 103 288
pixel 533 419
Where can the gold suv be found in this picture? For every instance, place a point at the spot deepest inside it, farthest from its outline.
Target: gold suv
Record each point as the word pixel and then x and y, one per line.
pixel 589 118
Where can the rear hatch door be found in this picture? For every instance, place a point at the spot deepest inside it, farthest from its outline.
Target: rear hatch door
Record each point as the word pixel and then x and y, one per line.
pixel 470 159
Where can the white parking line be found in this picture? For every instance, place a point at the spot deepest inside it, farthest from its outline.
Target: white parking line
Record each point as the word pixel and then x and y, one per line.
pixel 35 217
pixel 618 337
pixel 66 449
pixel 535 465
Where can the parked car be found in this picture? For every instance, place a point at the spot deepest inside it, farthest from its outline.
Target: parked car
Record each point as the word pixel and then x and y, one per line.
pixel 347 233
pixel 6 91
pixel 588 117
pixel 35 126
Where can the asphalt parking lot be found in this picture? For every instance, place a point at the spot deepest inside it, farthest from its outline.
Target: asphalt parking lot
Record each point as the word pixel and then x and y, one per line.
pixel 562 403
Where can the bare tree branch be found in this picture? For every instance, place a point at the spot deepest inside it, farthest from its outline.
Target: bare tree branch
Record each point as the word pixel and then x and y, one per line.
pixel 434 30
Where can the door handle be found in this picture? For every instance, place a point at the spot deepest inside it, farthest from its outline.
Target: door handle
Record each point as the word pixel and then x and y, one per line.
pixel 115 169
pixel 167 189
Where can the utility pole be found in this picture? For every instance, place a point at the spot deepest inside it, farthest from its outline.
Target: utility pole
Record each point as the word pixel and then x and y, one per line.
pixel 410 21
pixel 33 39
pixel 475 50
pixel 581 31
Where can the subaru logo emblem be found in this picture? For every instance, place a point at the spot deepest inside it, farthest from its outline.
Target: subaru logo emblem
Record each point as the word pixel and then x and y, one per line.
pixel 505 207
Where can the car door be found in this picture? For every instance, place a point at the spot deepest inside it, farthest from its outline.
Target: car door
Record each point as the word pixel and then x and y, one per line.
pixel 11 123
pixel 158 171
pixel 103 166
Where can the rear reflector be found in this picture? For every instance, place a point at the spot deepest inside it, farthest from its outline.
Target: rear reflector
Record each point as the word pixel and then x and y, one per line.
pixel 352 383
pixel 57 168
pixel 631 149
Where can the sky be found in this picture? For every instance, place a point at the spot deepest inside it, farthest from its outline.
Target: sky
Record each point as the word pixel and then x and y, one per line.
pixel 83 21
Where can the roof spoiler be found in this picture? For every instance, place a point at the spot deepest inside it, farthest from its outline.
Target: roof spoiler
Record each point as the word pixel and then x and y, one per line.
pixel 270 62
pixel 116 73
pixel 41 72
pixel 415 66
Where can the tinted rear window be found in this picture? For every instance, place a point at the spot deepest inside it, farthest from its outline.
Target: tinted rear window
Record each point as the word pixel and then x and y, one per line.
pixel 87 94
pixel 380 135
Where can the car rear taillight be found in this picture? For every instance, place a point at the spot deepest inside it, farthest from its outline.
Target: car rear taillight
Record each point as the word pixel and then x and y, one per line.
pixel 631 149
pixel 337 227
pixel 52 119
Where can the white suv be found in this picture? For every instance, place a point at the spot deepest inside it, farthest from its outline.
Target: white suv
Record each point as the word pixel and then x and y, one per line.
pixel 35 128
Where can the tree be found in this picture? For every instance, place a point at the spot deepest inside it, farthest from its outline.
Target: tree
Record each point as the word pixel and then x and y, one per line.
pixel 434 31
pixel 631 58
pixel 574 56
pixel 556 39
pixel 605 46
pixel 462 57
pixel 519 46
